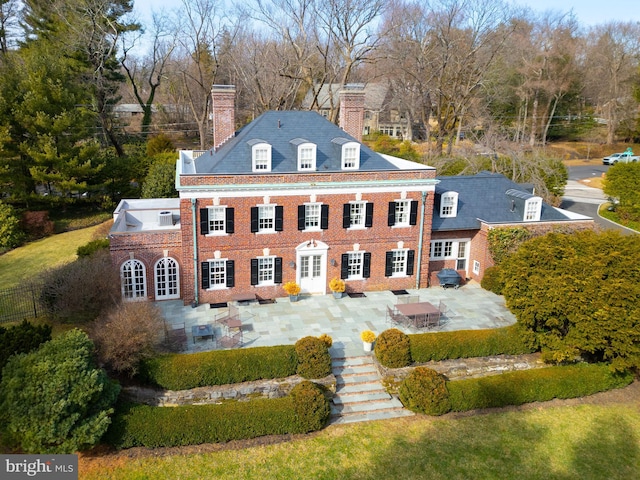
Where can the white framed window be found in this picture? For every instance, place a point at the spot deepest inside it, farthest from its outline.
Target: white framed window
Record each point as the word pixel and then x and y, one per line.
pixel 217 274
pixel 461 262
pixel 350 156
pixel 398 262
pixel 476 267
pixel 357 214
pixel 450 249
pixel 449 204
pixel 532 209
pixel 167 280
pixel 403 210
pixel 307 156
pixel 133 280
pixel 312 213
pixel 355 263
pixel 217 220
pixel 266 218
pixel 261 157
pixel 266 270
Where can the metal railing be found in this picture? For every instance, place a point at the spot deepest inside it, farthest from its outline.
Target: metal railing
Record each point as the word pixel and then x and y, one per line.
pixel 21 302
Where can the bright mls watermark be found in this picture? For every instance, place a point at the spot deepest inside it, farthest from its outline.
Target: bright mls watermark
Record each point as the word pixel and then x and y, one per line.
pixel 51 467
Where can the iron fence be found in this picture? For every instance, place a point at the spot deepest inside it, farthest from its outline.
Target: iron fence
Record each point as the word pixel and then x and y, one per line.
pixel 21 302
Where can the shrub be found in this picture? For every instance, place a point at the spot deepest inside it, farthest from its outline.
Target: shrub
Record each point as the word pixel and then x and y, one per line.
pixel 492 280
pixel 127 334
pixel 538 385
pixel 160 143
pixel 426 347
pixel 393 349
pixel 11 235
pixel 425 391
pixel 54 400
pixel 314 360
pixel 311 407
pixel 184 371
pixel 92 247
pixel 328 341
pixel 37 224
pixel 22 338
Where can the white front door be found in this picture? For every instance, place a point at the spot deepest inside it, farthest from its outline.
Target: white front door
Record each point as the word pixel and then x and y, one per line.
pixel 312 266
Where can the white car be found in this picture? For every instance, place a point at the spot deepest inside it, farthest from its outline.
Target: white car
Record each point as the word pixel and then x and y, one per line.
pixel 622 157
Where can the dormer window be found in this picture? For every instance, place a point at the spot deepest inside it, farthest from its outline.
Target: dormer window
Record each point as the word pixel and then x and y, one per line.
pixel 448 204
pixel 306 153
pixel 532 209
pixel 351 156
pixel 261 157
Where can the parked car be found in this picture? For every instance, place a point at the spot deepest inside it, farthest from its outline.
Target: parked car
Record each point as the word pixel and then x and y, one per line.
pixel 624 157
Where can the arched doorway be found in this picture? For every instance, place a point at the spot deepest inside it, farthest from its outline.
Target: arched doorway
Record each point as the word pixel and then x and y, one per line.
pixel 311 259
pixel 133 280
pixel 167 283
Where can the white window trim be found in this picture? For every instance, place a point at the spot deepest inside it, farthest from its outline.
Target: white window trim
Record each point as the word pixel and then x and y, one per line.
pixel 359 276
pixel 134 297
pixel 476 267
pixel 267 230
pixel 316 228
pixel 453 197
pixel 217 233
pixel 535 202
pixel 271 282
pixel 406 224
pixel 345 147
pixel 404 272
pixel 313 148
pixel 166 260
pixel 454 248
pixel 254 149
pixel 360 226
pixel 213 286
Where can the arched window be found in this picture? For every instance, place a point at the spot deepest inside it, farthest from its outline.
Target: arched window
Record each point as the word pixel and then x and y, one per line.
pixel 167 279
pixel 133 280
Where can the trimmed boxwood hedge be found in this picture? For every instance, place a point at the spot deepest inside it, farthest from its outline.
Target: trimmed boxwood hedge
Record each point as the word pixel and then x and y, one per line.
pixel 221 367
pixel 305 410
pixel 427 347
pixel 538 385
pixel 314 359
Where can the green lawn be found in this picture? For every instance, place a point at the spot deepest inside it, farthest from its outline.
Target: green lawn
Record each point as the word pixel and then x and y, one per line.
pixel 614 217
pixel 582 442
pixel 27 262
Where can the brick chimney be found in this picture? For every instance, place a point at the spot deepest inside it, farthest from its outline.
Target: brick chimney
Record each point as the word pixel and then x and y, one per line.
pixel 352 110
pixel 223 110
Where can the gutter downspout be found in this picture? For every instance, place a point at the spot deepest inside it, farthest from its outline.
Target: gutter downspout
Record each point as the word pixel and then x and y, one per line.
pixel 195 253
pixel 421 239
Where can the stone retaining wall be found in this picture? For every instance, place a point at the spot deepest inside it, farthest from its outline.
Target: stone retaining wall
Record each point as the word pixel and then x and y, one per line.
pixel 275 388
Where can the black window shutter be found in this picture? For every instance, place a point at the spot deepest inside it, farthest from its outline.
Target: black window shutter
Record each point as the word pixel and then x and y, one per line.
pixel 204 221
pixel 344 266
pixel 230 220
pixel 391 216
pixel 254 271
pixel 277 273
pixel 411 255
pixel 366 265
pixel 279 217
pixel 301 217
pixel 413 215
pixel 324 217
pixel 388 264
pixel 206 279
pixel 346 215
pixel 231 274
pixel 368 219
pixel 254 219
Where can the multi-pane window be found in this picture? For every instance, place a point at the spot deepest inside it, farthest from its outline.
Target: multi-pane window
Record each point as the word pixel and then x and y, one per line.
pixel 441 249
pixel 166 277
pixel 306 158
pixel 265 270
pixel 350 157
pixel 450 249
pixel 217 273
pixel 357 214
pixel 132 276
pixel 261 157
pixel 217 216
pixel 312 215
pixel 461 263
pixel 266 218
pixel 476 267
pixel 403 209
pixel 532 210
pixel 449 204
pixel 310 266
pixel 399 262
pixel 355 263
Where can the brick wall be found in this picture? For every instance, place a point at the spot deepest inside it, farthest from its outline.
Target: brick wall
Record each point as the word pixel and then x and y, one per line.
pixel 223 110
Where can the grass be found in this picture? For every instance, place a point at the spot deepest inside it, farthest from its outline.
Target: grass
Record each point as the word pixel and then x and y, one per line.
pixel 614 217
pixel 27 262
pixel 581 442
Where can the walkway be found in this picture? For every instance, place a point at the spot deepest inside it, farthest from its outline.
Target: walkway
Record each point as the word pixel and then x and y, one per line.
pixel 469 307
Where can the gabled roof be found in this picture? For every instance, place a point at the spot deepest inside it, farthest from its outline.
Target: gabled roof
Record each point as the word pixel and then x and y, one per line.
pixel 279 129
pixel 486 197
pixel 374 96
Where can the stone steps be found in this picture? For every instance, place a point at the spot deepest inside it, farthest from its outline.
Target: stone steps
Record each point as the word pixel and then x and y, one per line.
pixel 359 394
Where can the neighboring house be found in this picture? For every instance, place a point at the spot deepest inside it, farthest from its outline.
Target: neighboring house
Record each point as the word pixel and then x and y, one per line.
pixel 292 196
pixel 379 113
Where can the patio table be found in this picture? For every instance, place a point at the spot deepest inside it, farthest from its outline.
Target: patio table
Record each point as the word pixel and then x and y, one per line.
pixel 201 331
pixel 421 314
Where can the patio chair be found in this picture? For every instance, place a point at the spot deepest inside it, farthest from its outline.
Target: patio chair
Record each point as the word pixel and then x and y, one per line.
pixel 223 318
pixel 408 299
pixel 231 339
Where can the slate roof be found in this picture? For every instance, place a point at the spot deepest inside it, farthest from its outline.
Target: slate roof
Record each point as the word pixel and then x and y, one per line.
pixel 487 197
pixel 374 96
pixel 282 129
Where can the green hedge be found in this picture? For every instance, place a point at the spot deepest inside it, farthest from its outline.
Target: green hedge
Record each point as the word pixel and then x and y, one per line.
pixel 306 409
pixel 314 359
pixel 185 371
pixel 393 349
pixel 426 347
pixel 539 385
